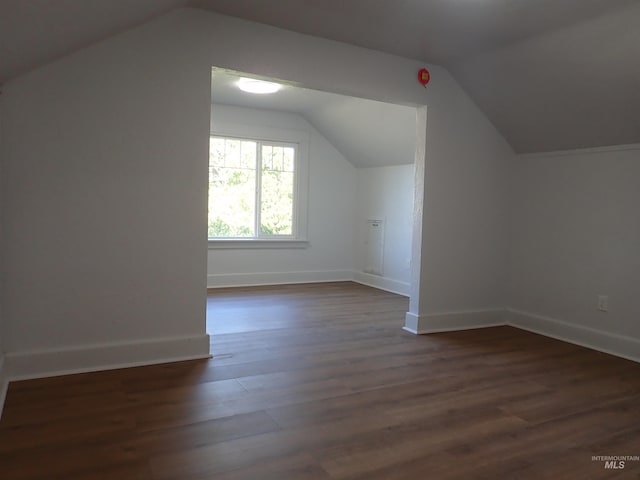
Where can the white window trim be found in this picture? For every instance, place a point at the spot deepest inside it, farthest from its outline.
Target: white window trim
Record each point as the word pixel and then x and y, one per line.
pixel 249 243
pixel 271 134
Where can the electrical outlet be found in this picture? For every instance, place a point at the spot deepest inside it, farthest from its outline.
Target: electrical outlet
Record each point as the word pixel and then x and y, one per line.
pixel 603 303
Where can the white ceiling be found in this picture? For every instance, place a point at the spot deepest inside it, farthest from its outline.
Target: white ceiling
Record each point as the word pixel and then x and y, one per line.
pixel 365 132
pixel 549 73
pixel 437 31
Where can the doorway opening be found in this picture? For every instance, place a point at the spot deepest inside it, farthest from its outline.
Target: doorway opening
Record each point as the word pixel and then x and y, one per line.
pixel 349 198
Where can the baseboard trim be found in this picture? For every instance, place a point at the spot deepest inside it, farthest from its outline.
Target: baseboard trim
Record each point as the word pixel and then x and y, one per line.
pixel 610 343
pixel 613 344
pixel 276 278
pixel 288 278
pixel 382 283
pixel 453 321
pixel 91 358
pixel 411 322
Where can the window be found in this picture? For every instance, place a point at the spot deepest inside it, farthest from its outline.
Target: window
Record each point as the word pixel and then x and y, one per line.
pixel 253 189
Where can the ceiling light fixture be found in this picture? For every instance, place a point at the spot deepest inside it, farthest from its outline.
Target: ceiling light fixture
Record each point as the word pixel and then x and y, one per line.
pixel 251 85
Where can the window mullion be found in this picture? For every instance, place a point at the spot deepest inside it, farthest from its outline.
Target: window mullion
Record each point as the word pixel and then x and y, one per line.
pixel 294 206
pixel 258 232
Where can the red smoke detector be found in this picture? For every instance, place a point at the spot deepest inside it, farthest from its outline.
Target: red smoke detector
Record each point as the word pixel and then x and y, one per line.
pixel 423 77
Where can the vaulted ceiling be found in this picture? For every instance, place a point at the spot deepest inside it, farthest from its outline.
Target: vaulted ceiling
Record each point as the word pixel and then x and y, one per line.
pixel 550 74
pixel 367 133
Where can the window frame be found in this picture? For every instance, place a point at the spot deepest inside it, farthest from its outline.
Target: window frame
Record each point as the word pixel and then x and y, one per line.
pixel 270 136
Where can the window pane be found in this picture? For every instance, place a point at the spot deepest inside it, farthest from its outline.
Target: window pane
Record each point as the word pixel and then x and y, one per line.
pixel 248 154
pixel 267 157
pixel 276 210
pixel 277 158
pixel 288 154
pixel 232 190
pixel 232 153
pixel 216 152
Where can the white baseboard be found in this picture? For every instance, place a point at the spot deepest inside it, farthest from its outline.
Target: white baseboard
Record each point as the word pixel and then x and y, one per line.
pixel 284 278
pixel 90 358
pixel 453 321
pixel 276 278
pixel 382 283
pixel 613 344
pixel 618 345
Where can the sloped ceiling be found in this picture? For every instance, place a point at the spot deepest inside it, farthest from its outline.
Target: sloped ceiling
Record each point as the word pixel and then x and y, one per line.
pixel 574 87
pixel 367 133
pixel 550 74
pixel 35 32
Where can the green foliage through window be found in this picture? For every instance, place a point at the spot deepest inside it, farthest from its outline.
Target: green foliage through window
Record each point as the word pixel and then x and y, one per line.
pixel 251 188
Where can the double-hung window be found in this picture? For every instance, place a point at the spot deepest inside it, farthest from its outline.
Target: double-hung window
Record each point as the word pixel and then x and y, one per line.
pixel 253 189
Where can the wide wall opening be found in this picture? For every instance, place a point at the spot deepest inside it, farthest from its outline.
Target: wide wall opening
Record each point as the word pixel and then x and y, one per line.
pixel 308 186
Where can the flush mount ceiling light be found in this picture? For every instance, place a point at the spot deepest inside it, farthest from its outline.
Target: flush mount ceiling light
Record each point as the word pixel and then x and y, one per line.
pixel 251 85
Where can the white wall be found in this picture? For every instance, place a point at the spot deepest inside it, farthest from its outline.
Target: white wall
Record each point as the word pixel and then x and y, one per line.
pixel 575 235
pixel 104 197
pixel 464 233
pixel 105 185
pixel 386 193
pixel 3 378
pixel 332 190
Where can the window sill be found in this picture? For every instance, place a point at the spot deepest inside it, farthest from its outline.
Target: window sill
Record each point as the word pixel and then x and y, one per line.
pixel 256 244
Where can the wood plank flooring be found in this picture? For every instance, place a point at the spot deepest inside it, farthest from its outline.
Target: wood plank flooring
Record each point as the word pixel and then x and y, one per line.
pixel 320 382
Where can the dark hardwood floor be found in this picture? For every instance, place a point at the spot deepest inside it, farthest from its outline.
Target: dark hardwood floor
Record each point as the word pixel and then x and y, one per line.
pixel 320 382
